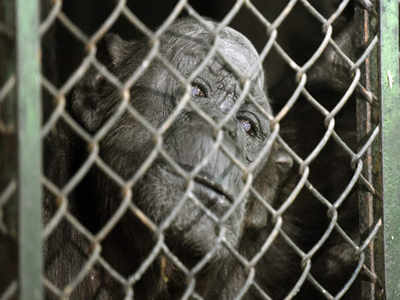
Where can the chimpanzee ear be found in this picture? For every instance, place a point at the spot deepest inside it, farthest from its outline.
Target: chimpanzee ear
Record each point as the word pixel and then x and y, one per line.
pixel 84 104
pixel 268 184
pixel 113 49
pixel 283 161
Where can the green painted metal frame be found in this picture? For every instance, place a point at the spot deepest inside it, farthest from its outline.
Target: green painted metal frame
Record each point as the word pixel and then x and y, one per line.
pixel 390 97
pixel 29 149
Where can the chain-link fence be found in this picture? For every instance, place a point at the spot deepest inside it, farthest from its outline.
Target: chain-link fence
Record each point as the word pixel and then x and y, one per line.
pixel 182 162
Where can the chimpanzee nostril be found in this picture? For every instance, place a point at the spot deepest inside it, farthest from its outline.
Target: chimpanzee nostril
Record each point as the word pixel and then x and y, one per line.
pixel 231 129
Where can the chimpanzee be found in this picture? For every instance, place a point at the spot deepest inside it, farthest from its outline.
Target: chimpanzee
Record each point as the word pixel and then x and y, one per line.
pixel 190 141
pixel 98 196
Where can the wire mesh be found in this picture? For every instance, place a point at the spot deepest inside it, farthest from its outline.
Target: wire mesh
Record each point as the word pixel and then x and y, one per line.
pixel 8 184
pixel 317 144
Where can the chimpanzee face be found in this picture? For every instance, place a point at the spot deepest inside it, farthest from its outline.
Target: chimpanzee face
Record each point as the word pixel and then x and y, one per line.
pixel 203 181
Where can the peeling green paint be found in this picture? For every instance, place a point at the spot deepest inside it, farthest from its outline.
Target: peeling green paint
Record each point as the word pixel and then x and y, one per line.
pixel 29 150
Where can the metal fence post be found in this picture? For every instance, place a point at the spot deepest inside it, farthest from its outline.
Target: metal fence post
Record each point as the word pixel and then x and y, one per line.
pixel 28 104
pixel 29 149
pixel 390 95
pixel 368 117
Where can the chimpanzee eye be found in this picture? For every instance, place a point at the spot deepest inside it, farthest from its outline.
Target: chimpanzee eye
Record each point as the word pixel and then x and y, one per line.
pixel 198 91
pixel 248 126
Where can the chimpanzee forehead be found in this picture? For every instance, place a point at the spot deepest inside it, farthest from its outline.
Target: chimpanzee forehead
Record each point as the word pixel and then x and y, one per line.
pixel 189 43
pixel 233 57
pixel 239 52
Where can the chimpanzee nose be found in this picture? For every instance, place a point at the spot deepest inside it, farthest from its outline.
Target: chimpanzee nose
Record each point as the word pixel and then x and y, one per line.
pixel 230 128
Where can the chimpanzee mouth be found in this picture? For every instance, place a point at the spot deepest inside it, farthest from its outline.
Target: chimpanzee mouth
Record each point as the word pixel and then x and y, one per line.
pixel 217 194
pixel 208 190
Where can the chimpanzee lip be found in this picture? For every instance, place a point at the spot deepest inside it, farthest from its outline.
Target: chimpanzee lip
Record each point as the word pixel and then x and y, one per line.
pixel 215 187
pixel 205 180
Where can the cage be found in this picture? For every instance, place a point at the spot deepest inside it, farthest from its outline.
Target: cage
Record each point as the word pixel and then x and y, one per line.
pixel 199 149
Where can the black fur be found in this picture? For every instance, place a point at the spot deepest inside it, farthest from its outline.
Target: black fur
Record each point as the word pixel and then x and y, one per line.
pixel 188 140
pixel 127 144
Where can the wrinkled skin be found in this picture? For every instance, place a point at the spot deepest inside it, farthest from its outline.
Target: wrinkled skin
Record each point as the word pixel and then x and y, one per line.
pixel 154 96
pixel 187 141
pixel 63 159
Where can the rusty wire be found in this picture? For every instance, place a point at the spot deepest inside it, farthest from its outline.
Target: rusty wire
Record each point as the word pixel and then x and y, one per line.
pixel 90 60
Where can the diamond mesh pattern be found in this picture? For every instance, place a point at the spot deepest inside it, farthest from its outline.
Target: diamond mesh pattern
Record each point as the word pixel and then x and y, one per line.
pixel 335 142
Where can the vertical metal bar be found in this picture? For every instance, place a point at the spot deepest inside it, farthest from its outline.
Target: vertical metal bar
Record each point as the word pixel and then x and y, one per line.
pixel 29 149
pixel 377 252
pixel 390 95
pixel 365 125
